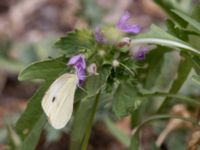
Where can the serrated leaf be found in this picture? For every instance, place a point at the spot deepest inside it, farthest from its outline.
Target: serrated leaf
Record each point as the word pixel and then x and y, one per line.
pixel 93 83
pixel 158 36
pixel 76 41
pixel 189 20
pixel 47 69
pixel 125 99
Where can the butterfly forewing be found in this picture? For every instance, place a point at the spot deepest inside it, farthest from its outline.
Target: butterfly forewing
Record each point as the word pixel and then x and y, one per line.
pixel 58 100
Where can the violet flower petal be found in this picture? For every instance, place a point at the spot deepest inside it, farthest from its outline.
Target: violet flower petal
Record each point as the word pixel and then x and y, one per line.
pixel 78 60
pixel 125 27
pixel 131 28
pixel 79 64
pixel 123 20
pixel 141 53
pixel 81 73
pixel 98 35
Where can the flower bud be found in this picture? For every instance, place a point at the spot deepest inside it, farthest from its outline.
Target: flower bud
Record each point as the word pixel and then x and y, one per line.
pixel 92 69
pixel 124 42
pixel 101 53
pixel 115 63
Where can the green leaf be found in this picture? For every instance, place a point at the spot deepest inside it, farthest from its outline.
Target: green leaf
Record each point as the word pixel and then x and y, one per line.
pixel 14 140
pixel 120 135
pixel 189 20
pixel 80 123
pixel 47 69
pixel 155 60
pixel 125 99
pixel 184 69
pixel 32 120
pixel 30 124
pixel 167 5
pixel 135 142
pixel 94 83
pixel 176 96
pixel 76 41
pixel 90 121
pixel 181 33
pixel 84 111
pixel 32 114
pixel 196 64
pixel 157 36
pixel 196 12
pixel 31 140
pixel 196 79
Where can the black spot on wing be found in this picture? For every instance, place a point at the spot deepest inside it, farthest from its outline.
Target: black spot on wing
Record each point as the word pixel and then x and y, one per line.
pixel 53 99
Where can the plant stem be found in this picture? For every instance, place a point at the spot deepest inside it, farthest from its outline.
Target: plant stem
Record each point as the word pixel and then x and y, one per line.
pixel 153 118
pixel 182 97
pixel 160 117
pixel 90 123
pixel 128 69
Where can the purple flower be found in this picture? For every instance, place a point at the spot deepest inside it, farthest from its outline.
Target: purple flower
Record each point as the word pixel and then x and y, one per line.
pixel 78 60
pixel 125 27
pixel 81 73
pixel 140 53
pixel 98 35
pixel 79 64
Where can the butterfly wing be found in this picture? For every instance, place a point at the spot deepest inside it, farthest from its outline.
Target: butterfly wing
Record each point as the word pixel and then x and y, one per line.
pixel 58 100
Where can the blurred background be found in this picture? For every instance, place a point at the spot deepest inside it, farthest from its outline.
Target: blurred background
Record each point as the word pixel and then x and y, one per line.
pixel 28 31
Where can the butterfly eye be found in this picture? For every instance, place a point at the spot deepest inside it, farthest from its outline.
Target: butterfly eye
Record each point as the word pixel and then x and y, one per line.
pixel 53 99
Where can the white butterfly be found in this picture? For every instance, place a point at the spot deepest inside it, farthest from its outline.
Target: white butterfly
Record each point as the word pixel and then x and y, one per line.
pixel 57 103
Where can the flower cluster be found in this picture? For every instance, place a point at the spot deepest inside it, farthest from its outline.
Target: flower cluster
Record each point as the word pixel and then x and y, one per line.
pixel 78 61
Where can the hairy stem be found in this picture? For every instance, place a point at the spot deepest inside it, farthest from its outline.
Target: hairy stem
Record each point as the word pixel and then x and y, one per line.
pixel 90 123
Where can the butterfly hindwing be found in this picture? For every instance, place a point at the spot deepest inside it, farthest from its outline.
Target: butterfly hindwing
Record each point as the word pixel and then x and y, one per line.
pixel 58 100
